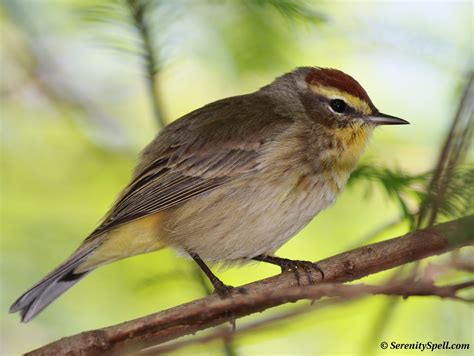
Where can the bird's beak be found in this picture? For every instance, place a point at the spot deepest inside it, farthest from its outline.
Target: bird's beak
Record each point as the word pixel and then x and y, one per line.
pixel 384 119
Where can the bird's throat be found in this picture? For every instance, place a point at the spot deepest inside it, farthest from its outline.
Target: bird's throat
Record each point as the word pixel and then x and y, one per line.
pixel 340 161
pixel 353 142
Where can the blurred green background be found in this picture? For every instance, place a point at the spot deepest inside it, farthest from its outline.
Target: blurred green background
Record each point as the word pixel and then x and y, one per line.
pixel 76 110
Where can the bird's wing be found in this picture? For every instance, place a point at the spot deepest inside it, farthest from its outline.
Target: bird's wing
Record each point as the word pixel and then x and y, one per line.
pixel 196 154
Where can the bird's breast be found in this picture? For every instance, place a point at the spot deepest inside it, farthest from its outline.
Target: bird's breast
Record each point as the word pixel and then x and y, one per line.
pixel 316 153
pixel 297 177
pixel 248 217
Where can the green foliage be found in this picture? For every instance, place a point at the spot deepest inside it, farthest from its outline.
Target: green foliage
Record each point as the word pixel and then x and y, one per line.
pixel 207 28
pixel 397 184
pixel 121 24
pixel 459 194
pixel 411 190
pixel 291 9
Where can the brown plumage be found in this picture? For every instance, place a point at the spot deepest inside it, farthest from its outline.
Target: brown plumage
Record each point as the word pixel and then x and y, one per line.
pixel 233 180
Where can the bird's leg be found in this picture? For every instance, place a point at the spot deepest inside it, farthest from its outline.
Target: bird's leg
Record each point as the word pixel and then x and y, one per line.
pixel 220 288
pixel 294 266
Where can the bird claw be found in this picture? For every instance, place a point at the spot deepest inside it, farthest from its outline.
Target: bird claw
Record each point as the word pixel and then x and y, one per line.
pixel 224 291
pixel 296 265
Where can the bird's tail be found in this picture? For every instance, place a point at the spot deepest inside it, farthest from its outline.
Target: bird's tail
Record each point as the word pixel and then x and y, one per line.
pixel 43 293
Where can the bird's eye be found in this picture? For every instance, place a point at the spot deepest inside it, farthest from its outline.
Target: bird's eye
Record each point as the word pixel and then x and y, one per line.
pixel 338 105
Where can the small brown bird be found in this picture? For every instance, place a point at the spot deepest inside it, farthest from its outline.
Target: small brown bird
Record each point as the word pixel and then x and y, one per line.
pixel 233 180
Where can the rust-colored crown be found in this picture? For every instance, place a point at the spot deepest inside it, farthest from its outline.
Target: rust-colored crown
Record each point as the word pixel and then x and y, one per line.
pixel 335 78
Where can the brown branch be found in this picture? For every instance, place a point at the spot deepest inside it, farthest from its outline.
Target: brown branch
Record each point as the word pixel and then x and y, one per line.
pixel 257 296
pixel 403 288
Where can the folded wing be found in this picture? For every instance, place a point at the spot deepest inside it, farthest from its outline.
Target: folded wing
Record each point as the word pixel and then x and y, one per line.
pixel 195 155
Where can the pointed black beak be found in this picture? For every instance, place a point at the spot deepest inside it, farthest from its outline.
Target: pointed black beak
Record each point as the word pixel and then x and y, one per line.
pixel 384 119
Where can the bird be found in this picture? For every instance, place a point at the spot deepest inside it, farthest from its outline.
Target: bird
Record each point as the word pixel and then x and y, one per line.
pixel 232 181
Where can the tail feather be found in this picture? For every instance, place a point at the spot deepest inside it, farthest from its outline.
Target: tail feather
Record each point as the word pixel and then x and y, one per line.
pixel 43 293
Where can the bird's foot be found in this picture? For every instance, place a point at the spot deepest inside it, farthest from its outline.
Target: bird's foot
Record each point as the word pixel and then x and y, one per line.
pixel 222 290
pixel 296 266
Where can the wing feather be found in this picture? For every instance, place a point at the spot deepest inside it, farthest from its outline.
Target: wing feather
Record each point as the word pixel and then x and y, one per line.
pixel 196 154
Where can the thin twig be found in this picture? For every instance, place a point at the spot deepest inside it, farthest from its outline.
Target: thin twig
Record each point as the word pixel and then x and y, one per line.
pixel 139 11
pixel 454 148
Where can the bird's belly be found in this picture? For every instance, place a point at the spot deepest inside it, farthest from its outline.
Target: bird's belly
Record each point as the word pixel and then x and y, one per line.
pixel 247 218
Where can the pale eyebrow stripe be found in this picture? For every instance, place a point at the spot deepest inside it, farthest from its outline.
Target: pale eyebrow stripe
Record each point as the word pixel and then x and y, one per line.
pixel 333 93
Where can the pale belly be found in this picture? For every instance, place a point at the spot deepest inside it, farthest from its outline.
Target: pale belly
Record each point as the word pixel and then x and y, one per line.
pixel 243 220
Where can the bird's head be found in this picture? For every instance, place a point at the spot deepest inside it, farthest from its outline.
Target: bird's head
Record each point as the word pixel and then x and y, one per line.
pixel 338 105
pixel 336 100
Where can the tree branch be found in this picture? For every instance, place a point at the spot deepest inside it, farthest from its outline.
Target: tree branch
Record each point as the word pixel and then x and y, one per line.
pixel 257 296
pixel 403 288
